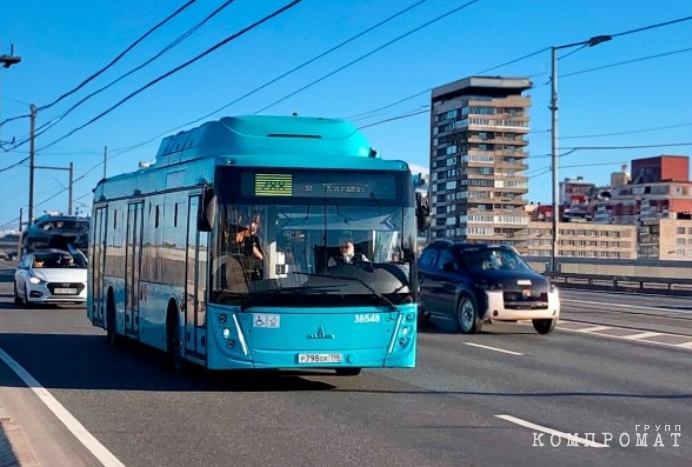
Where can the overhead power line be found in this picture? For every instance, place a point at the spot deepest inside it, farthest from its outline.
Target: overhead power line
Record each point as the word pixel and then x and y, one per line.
pixel 293 70
pixel 119 56
pixel 113 62
pixel 399 117
pixel 176 69
pixel 652 26
pixel 633 31
pixel 640 146
pixel 387 44
pixel 43 128
pixel 366 114
pixel 626 62
pixel 303 65
pixel 598 135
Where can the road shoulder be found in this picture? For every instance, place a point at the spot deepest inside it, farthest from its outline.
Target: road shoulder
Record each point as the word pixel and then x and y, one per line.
pixel 15 450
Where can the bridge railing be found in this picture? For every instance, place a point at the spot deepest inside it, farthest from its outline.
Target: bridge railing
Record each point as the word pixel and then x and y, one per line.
pixel 649 276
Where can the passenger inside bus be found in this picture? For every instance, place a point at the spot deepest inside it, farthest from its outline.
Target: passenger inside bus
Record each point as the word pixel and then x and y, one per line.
pixel 252 244
pixel 252 248
pixel 233 269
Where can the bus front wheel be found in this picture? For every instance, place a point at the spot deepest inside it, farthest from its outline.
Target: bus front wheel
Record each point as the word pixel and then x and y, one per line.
pixel 175 360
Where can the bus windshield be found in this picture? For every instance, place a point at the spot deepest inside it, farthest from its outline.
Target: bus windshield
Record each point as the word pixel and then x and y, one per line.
pixel 312 255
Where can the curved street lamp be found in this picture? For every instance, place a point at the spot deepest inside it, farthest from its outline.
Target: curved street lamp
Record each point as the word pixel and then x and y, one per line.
pixel 554 130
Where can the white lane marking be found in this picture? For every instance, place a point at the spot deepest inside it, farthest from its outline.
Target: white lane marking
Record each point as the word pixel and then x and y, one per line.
pixel 642 335
pixel 77 429
pixel 550 431
pixel 622 305
pixel 683 345
pixel 592 329
pixel 511 352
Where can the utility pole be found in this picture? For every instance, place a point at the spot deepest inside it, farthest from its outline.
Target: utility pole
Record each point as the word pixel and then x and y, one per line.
pixel 32 147
pixel 555 156
pixel 69 201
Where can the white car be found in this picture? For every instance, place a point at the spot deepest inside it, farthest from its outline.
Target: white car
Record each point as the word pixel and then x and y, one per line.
pixel 50 277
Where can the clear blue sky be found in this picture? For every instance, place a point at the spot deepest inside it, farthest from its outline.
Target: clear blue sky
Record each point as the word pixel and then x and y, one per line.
pixel 62 43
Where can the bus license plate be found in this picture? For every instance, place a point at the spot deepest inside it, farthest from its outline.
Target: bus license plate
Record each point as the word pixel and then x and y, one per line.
pixel 320 358
pixel 62 291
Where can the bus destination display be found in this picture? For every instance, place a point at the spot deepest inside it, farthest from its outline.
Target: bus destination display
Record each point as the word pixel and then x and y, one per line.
pixel 379 186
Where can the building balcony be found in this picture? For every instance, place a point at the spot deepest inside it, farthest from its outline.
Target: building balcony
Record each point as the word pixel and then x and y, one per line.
pixel 498 139
pixel 512 190
pixel 517 166
pixel 516 201
pixel 478 176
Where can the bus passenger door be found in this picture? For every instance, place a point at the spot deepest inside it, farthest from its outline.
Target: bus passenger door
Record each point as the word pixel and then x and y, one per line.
pixel 98 262
pixel 132 265
pixel 195 278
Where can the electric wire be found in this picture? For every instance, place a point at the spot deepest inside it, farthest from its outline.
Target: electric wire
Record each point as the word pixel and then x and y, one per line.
pixel 176 69
pixel 387 44
pixel 112 62
pixel 45 127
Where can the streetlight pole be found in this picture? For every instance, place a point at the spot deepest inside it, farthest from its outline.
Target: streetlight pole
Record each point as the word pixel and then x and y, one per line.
pixel 8 60
pixel 554 136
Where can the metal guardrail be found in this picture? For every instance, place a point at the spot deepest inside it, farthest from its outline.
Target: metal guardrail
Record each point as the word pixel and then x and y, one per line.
pixel 651 285
pixel 648 276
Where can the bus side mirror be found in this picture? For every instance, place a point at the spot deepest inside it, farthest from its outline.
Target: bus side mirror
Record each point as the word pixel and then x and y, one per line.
pixel 207 211
pixel 407 255
pixel 422 212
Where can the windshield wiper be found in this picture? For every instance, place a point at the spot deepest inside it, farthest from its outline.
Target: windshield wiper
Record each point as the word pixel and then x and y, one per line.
pixel 384 299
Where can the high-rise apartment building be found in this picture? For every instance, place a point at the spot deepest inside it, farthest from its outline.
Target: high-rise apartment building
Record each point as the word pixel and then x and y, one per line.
pixel 479 128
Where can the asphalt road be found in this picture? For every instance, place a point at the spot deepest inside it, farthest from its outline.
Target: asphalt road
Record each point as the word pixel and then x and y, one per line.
pixel 444 412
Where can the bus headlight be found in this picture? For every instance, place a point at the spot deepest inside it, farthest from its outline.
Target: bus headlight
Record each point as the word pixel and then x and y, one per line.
pixel 226 333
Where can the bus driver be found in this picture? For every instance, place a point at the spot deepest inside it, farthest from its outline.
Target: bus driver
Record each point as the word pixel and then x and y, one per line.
pixel 347 254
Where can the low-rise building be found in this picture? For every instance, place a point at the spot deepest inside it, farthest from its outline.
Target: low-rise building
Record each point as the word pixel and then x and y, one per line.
pixel 584 240
pixel 665 239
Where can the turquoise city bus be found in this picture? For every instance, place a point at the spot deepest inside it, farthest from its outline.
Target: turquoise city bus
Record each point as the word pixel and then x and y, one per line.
pixel 226 251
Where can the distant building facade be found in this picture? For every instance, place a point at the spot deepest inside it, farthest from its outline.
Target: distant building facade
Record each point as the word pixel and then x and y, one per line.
pixel 479 128
pixel 646 214
pixel 584 240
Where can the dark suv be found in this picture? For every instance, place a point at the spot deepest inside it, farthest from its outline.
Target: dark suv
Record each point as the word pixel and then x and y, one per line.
pixel 476 284
pixel 9 244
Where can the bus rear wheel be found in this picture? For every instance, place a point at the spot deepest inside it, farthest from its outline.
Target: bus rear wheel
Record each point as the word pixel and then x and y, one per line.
pixel 111 330
pixel 348 371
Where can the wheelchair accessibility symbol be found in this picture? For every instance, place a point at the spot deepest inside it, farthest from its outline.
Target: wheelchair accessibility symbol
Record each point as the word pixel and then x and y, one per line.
pixel 265 320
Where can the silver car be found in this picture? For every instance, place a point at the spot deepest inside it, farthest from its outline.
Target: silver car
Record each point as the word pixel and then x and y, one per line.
pixel 51 277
